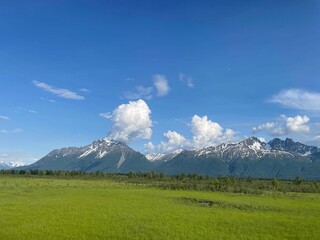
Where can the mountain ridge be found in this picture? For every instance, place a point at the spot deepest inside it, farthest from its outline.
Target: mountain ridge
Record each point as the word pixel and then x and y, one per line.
pixel 249 157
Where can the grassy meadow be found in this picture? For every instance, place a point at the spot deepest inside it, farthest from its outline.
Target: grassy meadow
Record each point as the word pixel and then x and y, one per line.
pixel 57 208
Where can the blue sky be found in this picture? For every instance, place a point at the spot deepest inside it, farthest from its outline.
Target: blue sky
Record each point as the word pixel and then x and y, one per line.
pixel 249 66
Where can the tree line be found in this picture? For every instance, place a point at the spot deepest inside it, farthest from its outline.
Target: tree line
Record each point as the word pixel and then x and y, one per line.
pixel 183 181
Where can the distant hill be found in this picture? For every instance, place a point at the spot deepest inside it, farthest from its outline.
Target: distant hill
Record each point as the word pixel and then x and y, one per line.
pixel 283 159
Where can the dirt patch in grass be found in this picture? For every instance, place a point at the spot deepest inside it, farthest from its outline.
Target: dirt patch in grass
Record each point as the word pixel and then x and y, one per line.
pixel 228 205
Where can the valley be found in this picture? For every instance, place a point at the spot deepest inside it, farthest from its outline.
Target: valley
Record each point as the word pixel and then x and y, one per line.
pixel 78 208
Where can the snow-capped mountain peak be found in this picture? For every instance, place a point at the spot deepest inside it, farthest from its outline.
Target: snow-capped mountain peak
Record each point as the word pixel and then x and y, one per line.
pixel 8 165
pixel 99 148
pixel 248 148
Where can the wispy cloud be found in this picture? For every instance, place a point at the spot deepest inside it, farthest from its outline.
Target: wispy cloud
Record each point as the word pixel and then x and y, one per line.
pixel 298 99
pixel 85 90
pixel 106 115
pixel 160 88
pixel 60 92
pixel 161 84
pixel 186 79
pixel 140 92
pixel 4 117
pixel 17 158
pixel 47 100
pixel 15 131
pixel 20 109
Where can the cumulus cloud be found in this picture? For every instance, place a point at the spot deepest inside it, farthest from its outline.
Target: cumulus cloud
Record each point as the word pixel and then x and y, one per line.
pixel 272 128
pixel 131 121
pixel 4 118
pixel 60 92
pixel 208 133
pixel 298 99
pixel 149 147
pixel 140 92
pixel 161 84
pixel 285 125
pixel 205 133
pixel 186 79
pixel 297 123
pixel 173 142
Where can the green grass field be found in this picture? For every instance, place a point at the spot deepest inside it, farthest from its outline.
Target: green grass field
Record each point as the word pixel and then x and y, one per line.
pixel 52 208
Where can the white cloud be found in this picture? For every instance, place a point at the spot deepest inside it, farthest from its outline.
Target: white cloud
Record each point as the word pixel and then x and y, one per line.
pixel 161 87
pixel 149 147
pixel 20 109
pixel 161 84
pixel 173 142
pixel 272 128
pixel 47 100
pixel 60 92
pixel 261 139
pixel 186 79
pixel 85 90
pixel 297 123
pixel 31 111
pixel 139 93
pixel 4 118
pixel 106 115
pixel 285 125
pixel 131 122
pixel 298 99
pixel 16 131
pixel 17 158
pixel 205 133
pixel 208 133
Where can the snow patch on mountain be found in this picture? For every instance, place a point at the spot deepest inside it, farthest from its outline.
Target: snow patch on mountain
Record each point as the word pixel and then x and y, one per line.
pixel 121 160
pixel 162 157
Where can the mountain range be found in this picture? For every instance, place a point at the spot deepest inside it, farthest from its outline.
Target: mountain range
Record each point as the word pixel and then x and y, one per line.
pixel 9 165
pixel 283 159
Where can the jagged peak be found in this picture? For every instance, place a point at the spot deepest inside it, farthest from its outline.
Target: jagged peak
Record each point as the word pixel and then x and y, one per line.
pixel 291 146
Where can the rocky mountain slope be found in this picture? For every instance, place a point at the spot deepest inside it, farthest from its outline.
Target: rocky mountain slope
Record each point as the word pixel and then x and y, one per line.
pixel 278 158
pixel 284 159
pixel 102 155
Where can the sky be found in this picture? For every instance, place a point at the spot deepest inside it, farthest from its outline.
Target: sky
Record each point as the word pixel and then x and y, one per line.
pixel 157 75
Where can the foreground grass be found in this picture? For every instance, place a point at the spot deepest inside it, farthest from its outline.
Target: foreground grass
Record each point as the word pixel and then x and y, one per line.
pixel 49 208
